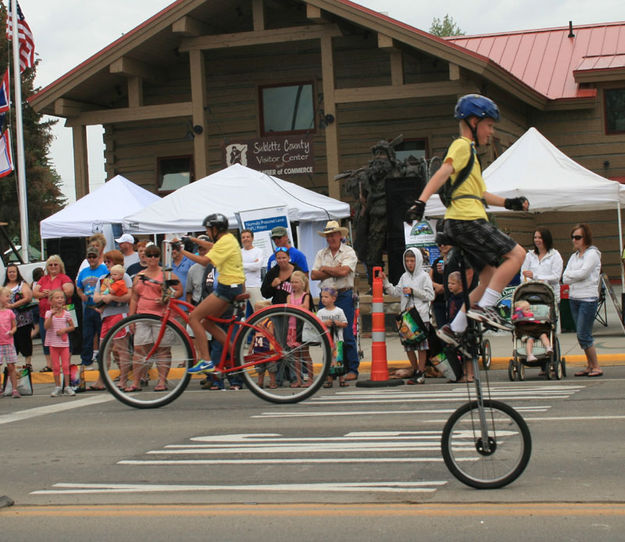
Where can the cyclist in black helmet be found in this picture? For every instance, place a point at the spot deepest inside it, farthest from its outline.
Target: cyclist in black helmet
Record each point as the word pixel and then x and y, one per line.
pixel 225 254
pixel 497 257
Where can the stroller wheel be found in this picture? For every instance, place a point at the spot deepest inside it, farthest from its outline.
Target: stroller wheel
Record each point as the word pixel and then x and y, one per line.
pixel 512 373
pixel 556 369
pixel 520 370
pixel 486 354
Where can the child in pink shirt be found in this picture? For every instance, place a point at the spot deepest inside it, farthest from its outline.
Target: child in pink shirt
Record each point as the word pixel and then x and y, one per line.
pixel 8 327
pixel 58 323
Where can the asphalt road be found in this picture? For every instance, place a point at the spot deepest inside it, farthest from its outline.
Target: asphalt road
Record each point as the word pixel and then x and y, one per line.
pixel 348 464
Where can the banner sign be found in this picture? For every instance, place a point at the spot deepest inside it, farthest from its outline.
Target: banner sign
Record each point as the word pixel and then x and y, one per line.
pixel 422 235
pixel 261 222
pixel 277 155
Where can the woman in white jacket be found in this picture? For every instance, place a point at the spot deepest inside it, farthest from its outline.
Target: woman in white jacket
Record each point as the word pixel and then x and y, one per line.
pixel 415 290
pixel 544 263
pixel 582 274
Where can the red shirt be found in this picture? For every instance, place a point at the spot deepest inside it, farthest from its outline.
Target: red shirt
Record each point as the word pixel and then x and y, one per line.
pixel 48 283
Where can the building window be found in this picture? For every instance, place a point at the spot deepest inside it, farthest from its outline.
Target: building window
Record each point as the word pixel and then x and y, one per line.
pixel 174 172
pixel 614 110
pixel 287 108
pixel 411 147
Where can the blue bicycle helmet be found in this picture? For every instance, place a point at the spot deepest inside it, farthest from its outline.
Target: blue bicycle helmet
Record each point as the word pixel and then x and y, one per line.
pixel 476 105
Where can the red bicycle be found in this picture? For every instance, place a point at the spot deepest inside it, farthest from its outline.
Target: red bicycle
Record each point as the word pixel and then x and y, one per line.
pixel 282 352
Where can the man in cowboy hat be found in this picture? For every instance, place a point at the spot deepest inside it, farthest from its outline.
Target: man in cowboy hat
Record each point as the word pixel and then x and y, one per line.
pixel 335 266
pixel 280 238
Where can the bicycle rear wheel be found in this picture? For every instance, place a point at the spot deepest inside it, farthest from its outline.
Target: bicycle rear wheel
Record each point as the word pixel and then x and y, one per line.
pixel 285 357
pixel 510 445
pixel 127 356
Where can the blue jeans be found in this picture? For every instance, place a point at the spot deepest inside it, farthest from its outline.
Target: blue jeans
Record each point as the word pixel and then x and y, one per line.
pixel 345 301
pixel 583 313
pixel 91 325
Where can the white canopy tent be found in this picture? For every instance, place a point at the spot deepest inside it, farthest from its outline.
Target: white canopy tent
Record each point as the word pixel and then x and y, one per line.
pixel 535 168
pixel 231 190
pixel 108 204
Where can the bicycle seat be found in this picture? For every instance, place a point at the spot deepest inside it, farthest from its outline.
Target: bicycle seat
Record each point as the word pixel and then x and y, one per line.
pixel 171 282
pixel 242 297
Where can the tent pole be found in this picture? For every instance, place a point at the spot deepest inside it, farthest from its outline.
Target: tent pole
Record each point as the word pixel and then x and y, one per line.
pixel 620 244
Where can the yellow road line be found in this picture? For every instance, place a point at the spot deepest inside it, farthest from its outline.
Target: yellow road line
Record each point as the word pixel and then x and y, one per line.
pixel 545 509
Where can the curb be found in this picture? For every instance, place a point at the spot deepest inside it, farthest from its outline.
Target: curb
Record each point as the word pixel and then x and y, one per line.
pixel 499 362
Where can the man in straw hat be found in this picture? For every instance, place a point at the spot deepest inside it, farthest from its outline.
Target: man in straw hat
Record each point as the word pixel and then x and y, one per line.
pixel 335 266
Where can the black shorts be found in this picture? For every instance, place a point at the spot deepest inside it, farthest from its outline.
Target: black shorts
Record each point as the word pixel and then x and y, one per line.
pixel 482 243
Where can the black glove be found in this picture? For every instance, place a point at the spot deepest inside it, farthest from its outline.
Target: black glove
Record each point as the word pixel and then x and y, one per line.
pixel 515 204
pixel 416 211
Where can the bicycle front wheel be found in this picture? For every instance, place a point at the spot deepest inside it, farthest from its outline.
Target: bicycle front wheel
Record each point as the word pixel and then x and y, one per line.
pixel 143 363
pixel 284 354
pixel 486 466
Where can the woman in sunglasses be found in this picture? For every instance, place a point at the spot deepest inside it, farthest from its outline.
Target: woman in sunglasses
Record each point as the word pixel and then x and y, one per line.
pixel 582 274
pixel 277 283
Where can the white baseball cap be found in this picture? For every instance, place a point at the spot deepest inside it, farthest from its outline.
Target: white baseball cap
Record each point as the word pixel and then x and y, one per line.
pixel 126 238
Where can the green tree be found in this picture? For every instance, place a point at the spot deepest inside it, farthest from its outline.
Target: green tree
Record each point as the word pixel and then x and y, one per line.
pixel 43 184
pixel 446 27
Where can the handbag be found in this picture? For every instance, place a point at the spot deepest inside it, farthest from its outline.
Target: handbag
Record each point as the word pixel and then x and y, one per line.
pixel 72 312
pixel 24 382
pixel 410 326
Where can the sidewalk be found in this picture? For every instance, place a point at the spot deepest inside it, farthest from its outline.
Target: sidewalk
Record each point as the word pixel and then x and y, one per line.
pixel 609 341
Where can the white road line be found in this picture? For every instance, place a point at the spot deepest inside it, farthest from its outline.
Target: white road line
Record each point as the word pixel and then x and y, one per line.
pixel 385 487
pixel 310 413
pixel 281 461
pixel 305 448
pixel 67 404
pixel 574 418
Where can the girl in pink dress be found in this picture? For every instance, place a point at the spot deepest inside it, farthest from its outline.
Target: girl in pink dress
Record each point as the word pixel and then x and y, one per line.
pixel 300 297
pixel 58 323
pixel 8 327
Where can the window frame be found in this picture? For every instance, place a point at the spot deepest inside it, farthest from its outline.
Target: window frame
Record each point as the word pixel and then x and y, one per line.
pixel 605 111
pixel 426 147
pixel 261 108
pixel 161 159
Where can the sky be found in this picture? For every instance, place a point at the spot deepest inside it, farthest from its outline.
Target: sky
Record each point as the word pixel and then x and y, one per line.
pixel 67 32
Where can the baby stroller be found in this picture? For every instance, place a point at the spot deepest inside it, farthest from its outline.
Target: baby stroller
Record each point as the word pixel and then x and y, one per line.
pixel 541 317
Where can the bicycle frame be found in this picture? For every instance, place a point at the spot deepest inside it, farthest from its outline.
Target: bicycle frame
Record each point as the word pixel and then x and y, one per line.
pixel 226 364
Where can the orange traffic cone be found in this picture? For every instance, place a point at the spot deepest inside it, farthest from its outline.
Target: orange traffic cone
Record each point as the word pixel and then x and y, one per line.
pixel 379 365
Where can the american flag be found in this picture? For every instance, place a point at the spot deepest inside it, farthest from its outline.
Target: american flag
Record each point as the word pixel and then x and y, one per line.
pixel 25 37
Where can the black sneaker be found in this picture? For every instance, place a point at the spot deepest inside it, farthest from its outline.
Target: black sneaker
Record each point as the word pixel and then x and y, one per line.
pixel 418 378
pixel 489 316
pixel 447 335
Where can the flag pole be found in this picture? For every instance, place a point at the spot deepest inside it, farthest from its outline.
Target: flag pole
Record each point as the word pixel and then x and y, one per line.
pixel 19 138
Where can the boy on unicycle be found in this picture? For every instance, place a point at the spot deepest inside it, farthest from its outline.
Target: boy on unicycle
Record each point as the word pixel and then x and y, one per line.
pixel 492 253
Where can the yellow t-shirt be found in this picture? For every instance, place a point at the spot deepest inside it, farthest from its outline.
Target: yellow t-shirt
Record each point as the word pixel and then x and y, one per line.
pixel 465 208
pixel 226 257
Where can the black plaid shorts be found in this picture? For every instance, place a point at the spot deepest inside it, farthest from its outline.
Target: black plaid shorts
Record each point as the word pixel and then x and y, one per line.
pixel 482 243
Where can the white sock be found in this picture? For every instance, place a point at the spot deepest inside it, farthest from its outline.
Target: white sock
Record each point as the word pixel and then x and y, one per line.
pixel 459 323
pixel 490 298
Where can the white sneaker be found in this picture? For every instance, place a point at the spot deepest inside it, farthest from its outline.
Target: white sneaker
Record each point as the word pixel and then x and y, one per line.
pixel 69 391
pixel 531 357
pixel 57 391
